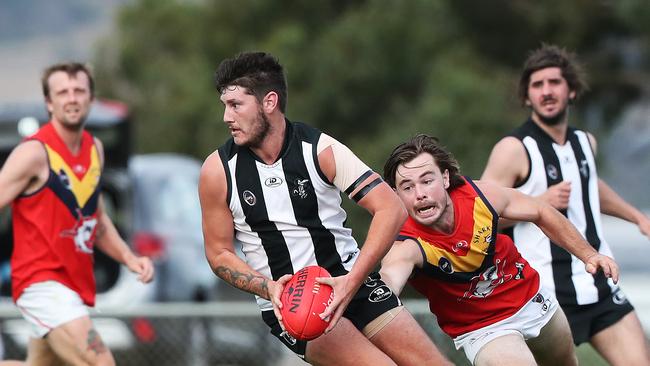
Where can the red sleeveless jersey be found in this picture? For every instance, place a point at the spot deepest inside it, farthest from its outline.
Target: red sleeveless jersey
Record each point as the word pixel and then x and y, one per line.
pixel 54 228
pixel 474 276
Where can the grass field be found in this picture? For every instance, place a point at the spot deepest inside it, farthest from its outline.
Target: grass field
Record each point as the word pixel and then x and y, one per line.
pixel 588 357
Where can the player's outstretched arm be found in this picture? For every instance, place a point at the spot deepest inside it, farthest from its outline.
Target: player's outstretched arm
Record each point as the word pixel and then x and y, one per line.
pixel 398 264
pixel 514 205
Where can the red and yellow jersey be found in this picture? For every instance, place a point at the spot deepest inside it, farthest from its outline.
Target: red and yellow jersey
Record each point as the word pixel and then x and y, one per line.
pixel 54 227
pixel 474 276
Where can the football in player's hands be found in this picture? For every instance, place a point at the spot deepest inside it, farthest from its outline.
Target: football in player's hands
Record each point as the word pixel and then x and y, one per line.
pixel 303 300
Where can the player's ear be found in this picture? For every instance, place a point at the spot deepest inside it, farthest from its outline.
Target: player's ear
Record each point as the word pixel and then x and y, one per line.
pixel 445 178
pixel 270 101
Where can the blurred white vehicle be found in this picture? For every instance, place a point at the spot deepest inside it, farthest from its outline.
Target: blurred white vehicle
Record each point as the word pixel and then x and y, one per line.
pixel 167 225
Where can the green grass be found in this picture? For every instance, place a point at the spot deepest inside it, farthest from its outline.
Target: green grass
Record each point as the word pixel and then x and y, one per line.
pixel 587 356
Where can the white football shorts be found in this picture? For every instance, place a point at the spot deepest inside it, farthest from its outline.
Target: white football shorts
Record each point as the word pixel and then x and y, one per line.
pixel 528 322
pixel 46 305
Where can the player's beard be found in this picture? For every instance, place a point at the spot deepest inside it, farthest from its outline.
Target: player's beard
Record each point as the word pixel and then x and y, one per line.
pixel 73 126
pixel 553 120
pixel 259 131
pixel 76 124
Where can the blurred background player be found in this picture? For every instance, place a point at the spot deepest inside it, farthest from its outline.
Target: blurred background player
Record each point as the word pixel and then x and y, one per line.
pixel 52 180
pixel 274 187
pixel 547 158
pixel 483 293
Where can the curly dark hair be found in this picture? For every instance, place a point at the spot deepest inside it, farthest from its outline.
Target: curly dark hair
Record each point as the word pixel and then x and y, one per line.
pixel 417 145
pixel 70 68
pixel 553 56
pixel 257 72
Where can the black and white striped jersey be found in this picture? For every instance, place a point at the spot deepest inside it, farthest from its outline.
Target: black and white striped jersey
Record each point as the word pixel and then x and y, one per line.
pixel 287 215
pixel 551 163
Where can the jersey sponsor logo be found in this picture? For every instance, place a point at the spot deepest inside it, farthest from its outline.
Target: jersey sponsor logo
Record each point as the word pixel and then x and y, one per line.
pixel 482 236
pixel 273 182
pixel 380 294
pixel 546 303
pixel 445 265
pixel 551 171
pixel 545 306
pixel 301 186
pixel 619 297
pixel 79 169
pixel 288 338
pixel 461 247
pixel 249 198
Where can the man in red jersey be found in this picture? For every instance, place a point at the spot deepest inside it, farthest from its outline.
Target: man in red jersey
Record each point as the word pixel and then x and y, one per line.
pixel 484 294
pixel 52 180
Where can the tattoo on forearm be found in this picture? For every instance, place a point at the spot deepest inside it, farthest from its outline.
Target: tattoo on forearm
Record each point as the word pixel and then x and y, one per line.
pixel 249 282
pixel 101 230
pixel 95 343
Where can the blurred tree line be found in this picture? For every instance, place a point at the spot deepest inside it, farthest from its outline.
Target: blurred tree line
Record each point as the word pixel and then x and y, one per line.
pixel 369 72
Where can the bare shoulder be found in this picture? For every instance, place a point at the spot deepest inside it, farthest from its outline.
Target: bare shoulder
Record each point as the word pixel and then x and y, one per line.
pixel 218 227
pixel 327 163
pixel 25 170
pixel 508 162
pixel 212 166
pixel 326 159
pixel 100 149
pixel 508 148
pixel 509 144
pixel 495 194
pixel 98 143
pixel 592 141
pixel 31 153
pixel 212 179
